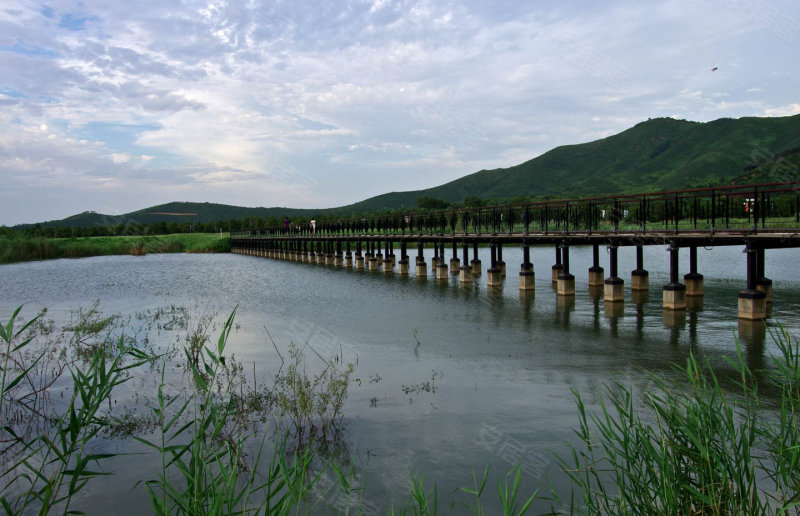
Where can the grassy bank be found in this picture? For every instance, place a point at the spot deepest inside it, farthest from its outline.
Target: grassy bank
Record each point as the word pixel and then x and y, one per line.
pixel 22 249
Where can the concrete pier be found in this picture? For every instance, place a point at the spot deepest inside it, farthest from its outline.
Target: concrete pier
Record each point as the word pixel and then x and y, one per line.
pixel 465 273
pixel 566 281
pixel 596 273
pixel 500 263
pixel 493 278
pixel 422 267
pixel 527 279
pixel 475 263
pixel 674 296
pixel 752 301
pixel 693 280
pixel 640 278
pixel 614 286
pixel 557 268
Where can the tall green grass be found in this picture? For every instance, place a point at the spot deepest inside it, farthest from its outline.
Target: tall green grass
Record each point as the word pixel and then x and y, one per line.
pixel 21 248
pixel 676 447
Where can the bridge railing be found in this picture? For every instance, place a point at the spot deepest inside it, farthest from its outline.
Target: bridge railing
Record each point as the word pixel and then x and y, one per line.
pixel 751 208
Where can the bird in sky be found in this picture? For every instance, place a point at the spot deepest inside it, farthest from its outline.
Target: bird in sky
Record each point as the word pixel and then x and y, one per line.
pixel 715 69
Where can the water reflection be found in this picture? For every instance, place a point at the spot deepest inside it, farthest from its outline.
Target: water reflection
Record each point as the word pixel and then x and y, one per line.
pixel 753 336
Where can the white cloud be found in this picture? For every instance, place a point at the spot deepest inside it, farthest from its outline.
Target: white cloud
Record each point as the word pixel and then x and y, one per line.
pixel 327 103
pixel 788 110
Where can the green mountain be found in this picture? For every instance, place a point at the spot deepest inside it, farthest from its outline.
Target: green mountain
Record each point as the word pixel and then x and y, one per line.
pixel 659 154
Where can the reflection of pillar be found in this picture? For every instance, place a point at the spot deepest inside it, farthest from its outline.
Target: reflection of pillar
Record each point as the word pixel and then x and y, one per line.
pixel 752 302
pixel 640 278
pixel 753 335
pixel 595 271
pixel 614 291
pixel 763 283
pixel 526 276
pixel 693 280
pixel 566 281
pixel 674 297
pixel 557 267
pixel 466 271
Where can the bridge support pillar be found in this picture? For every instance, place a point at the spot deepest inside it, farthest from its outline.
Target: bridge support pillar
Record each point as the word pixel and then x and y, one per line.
pixel 558 267
pixel 614 286
pixel 596 273
pixel 465 273
pixel 455 263
pixel 422 267
pixel 752 301
pixel 762 283
pixel 527 280
pixel 674 297
pixel 640 278
pixel 693 280
pixel 493 278
pixel 566 281
pixel 500 263
pixel 475 263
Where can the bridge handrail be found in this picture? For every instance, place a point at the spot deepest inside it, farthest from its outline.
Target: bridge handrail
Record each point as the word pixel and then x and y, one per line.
pixel 708 206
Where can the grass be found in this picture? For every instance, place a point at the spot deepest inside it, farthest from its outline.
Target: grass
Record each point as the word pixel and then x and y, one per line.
pixel 20 248
pixel 685 446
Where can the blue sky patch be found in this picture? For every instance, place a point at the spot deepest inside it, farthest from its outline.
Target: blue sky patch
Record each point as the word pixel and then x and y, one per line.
pixel 75 22
pixel 20 47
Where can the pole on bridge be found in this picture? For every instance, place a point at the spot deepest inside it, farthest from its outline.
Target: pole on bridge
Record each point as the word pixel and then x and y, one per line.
pixel 674 297
pixel 455 263
pixel 493 272
pixel 752 302
pixel 422 267
pixel 614 290
pixel 596 273
pixel 566 281
pixel 640 278
pixel 693 280
pixel 527 279
pixel 465 273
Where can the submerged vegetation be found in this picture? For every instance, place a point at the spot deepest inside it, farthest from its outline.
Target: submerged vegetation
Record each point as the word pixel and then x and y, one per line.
pixel 20 248
pixel 227 445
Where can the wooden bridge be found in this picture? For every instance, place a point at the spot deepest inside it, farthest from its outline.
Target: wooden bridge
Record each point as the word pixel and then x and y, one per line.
pixel 758 217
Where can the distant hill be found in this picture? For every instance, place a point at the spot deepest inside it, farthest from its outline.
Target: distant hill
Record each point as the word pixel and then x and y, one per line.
pixel 659 154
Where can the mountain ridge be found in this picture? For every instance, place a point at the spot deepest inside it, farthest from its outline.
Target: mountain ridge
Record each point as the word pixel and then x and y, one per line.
pixel 657 154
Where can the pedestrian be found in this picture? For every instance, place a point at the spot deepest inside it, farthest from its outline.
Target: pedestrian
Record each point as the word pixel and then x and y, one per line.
pixel 286 225
pixel 313 227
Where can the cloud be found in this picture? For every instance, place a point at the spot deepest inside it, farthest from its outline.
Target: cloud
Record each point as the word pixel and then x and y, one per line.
pixel 326 103
pixel 788 110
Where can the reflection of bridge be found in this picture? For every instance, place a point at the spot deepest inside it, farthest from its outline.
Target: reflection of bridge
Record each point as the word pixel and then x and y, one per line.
pixel 759 217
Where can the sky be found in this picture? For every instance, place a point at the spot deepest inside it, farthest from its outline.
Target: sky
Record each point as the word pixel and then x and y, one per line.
pixel 113 106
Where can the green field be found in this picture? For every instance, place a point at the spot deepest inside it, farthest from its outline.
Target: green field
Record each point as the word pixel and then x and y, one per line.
pixel 21 249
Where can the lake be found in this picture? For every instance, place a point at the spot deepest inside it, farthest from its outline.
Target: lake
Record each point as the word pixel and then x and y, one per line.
pixel 502 366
